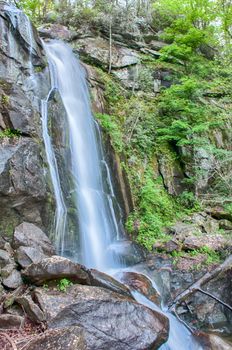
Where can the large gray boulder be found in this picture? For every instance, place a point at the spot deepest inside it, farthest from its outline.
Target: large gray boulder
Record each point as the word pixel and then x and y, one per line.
pixel 11 278
pixel 55 267
pixel 32 309
pixel 5 258
pixel 100 279
pixel 29 235
pixel 97 50
pixel 28 255
pixel 109 320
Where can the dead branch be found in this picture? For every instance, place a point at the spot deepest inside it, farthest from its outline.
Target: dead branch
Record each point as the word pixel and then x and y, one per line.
pixel 12 343
pixel 197 286
pixel 215 298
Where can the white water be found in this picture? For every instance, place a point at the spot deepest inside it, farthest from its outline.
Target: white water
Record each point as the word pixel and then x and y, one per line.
pixel 98 226
pixel 61 210
pixel 97 222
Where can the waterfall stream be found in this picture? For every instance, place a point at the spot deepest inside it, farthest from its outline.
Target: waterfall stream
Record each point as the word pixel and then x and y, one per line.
pixel 98 226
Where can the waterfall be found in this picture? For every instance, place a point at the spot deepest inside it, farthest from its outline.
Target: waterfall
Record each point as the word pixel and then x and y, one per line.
pixel 98 227
pixel 97 223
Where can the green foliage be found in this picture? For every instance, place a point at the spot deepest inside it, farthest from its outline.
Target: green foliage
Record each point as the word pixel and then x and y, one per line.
pixel 109 124
pixel 213 257
pixel 188 199
pixel 10 133
pixel 63 284
pixel 36 10
pixel 5 100
pixel 156 209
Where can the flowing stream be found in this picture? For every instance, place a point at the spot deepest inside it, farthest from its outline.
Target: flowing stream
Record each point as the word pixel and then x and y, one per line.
pixel 98 225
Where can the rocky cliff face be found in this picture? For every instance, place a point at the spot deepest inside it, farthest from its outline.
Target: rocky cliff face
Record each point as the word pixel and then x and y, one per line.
pixel 24 81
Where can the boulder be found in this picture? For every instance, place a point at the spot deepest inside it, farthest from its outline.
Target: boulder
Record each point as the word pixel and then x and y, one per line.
pixel 225 224
pixel 214 242
pixel 17 112
pixel 23 189
pixel 28 255
pixel 53 301
pixel 171 246
pixel 58 339
pixel 128 76
pixel 13 280
pixel 219 213
pixel 29 235
pixel 112 321
pixel 55 31
pixel 182 230
pixel 96 50
pixel 5 258
pixel 8 321
pixel 142 284
pixel 100 279
pixel 32 310
pixel 55 267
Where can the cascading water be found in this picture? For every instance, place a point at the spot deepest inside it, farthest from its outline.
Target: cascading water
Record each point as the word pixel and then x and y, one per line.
pixel 98 225
pixel 61 210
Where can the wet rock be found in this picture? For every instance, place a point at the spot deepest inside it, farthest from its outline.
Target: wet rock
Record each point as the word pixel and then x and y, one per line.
pixel 8 321
pixel 140 283
pixel 68 338
pixel 5 258
pixel 28 255
pixel 32 310
pixel 13 280
pixel 100 279
pixel 126 252
pixel 29 235
pixel 55 267
pixel 112 321
pixel 96 50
